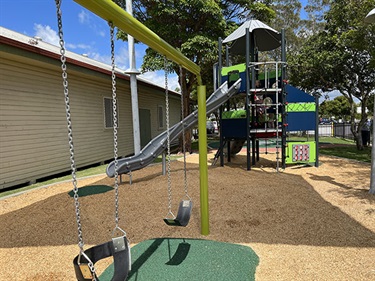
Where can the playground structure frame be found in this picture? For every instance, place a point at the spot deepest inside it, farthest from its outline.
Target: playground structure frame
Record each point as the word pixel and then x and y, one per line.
pixel 294 109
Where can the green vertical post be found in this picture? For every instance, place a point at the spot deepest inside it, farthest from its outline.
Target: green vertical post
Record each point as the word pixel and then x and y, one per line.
pixel 203 169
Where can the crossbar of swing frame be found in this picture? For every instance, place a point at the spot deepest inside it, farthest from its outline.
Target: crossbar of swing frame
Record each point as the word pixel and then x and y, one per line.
pixel 111 12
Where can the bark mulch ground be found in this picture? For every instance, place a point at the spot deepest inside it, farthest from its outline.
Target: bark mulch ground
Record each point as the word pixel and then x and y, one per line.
pixel 304 223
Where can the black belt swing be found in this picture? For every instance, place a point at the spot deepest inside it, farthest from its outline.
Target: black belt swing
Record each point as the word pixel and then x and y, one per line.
pixel 118 247
pixel 186 205
pixel 183 214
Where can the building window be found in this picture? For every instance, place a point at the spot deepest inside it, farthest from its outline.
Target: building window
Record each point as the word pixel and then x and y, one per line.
pixel 108 113
pixel 161 117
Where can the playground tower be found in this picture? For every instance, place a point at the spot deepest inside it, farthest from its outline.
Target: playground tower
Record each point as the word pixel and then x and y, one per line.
pixel 273 109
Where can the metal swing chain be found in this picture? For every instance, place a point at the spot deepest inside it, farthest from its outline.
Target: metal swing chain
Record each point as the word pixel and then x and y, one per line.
pixel 168 139
pixel 115 126
pixel 277 112
pixel 183 140
pixel 70 136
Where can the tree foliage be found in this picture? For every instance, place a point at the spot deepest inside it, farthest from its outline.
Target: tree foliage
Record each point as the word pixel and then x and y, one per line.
pixel 314 23
pixel 338 108
pixel 288 16
pixel 341 57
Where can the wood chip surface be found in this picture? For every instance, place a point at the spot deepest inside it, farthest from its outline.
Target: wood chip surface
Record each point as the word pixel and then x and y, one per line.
pixel 304 223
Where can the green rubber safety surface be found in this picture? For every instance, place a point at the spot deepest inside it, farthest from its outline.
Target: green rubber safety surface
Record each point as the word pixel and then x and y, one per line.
pixel 172 259
pixel 91 190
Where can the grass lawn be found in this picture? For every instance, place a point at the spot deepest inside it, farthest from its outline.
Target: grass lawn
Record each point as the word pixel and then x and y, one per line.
pixel 350 152
pixel 344 148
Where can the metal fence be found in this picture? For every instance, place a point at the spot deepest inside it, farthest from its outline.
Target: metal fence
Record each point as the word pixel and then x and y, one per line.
pixel 343 130
pixel 325 130
pixel 340 130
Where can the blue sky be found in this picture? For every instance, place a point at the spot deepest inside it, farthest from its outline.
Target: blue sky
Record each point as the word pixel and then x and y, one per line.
pixel 84 32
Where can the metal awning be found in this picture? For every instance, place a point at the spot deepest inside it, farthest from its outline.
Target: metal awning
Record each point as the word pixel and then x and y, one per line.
pixel 266 38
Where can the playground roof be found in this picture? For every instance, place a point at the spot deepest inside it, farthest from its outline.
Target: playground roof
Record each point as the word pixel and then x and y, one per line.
pixel 266 38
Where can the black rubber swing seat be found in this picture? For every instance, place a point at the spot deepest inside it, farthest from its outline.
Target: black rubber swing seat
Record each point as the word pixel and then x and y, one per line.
pixel 118 248
pixel 183 215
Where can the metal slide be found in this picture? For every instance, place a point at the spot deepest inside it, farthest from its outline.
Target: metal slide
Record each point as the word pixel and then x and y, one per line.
pixel 157 145
pixel 236 146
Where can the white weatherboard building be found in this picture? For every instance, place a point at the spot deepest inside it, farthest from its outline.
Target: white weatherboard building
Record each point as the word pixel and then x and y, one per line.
pixel 33 127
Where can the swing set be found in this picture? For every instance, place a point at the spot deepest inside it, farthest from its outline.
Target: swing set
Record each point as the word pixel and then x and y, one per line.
pixel 118 247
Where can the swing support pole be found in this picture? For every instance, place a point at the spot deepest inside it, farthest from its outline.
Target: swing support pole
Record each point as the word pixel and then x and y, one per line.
pixel 203 169
pixel 111 12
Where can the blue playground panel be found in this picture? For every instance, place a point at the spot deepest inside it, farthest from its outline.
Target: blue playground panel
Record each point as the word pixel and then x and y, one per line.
pixel 243 81
pixel 234 128
pixel 296 95
pixel 301 121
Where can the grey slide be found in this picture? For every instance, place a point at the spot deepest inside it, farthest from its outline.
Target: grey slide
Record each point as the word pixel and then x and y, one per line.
pixel 236 146
pixel 157 145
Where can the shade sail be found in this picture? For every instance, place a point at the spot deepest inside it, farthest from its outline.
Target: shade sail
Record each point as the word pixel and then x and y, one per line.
pixel 370 16
pixel 266 38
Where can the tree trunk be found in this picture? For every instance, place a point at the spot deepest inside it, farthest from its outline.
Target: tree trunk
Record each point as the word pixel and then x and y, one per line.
pixel 186 110
pixel 357 135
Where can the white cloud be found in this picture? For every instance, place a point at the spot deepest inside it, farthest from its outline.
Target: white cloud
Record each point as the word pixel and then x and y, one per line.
pixel 47 34
pixel 83 47
pixel 99 57
pixel 158 78
pixel 84 17
pixel 122 57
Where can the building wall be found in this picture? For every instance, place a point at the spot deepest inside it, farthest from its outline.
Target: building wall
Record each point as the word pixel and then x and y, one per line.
pixel 33 127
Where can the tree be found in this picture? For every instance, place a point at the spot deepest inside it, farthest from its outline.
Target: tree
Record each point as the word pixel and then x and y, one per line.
pixel 341 57
pixel 288 16
pixel 339 108
pixel 315 16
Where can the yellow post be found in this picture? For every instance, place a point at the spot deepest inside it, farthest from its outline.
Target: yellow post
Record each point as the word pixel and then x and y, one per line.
pixel 203 169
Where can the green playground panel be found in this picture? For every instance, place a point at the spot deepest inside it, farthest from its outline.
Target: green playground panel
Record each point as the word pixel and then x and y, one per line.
pixel 300 152
pixel 301 107
pixel 239 67
pixel 242 68
pixel 270 75
pixel 241 113
pixel 232 114
pixel 233 76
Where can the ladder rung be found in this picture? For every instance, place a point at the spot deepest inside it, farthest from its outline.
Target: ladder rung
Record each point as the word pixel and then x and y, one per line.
pixel 271 90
